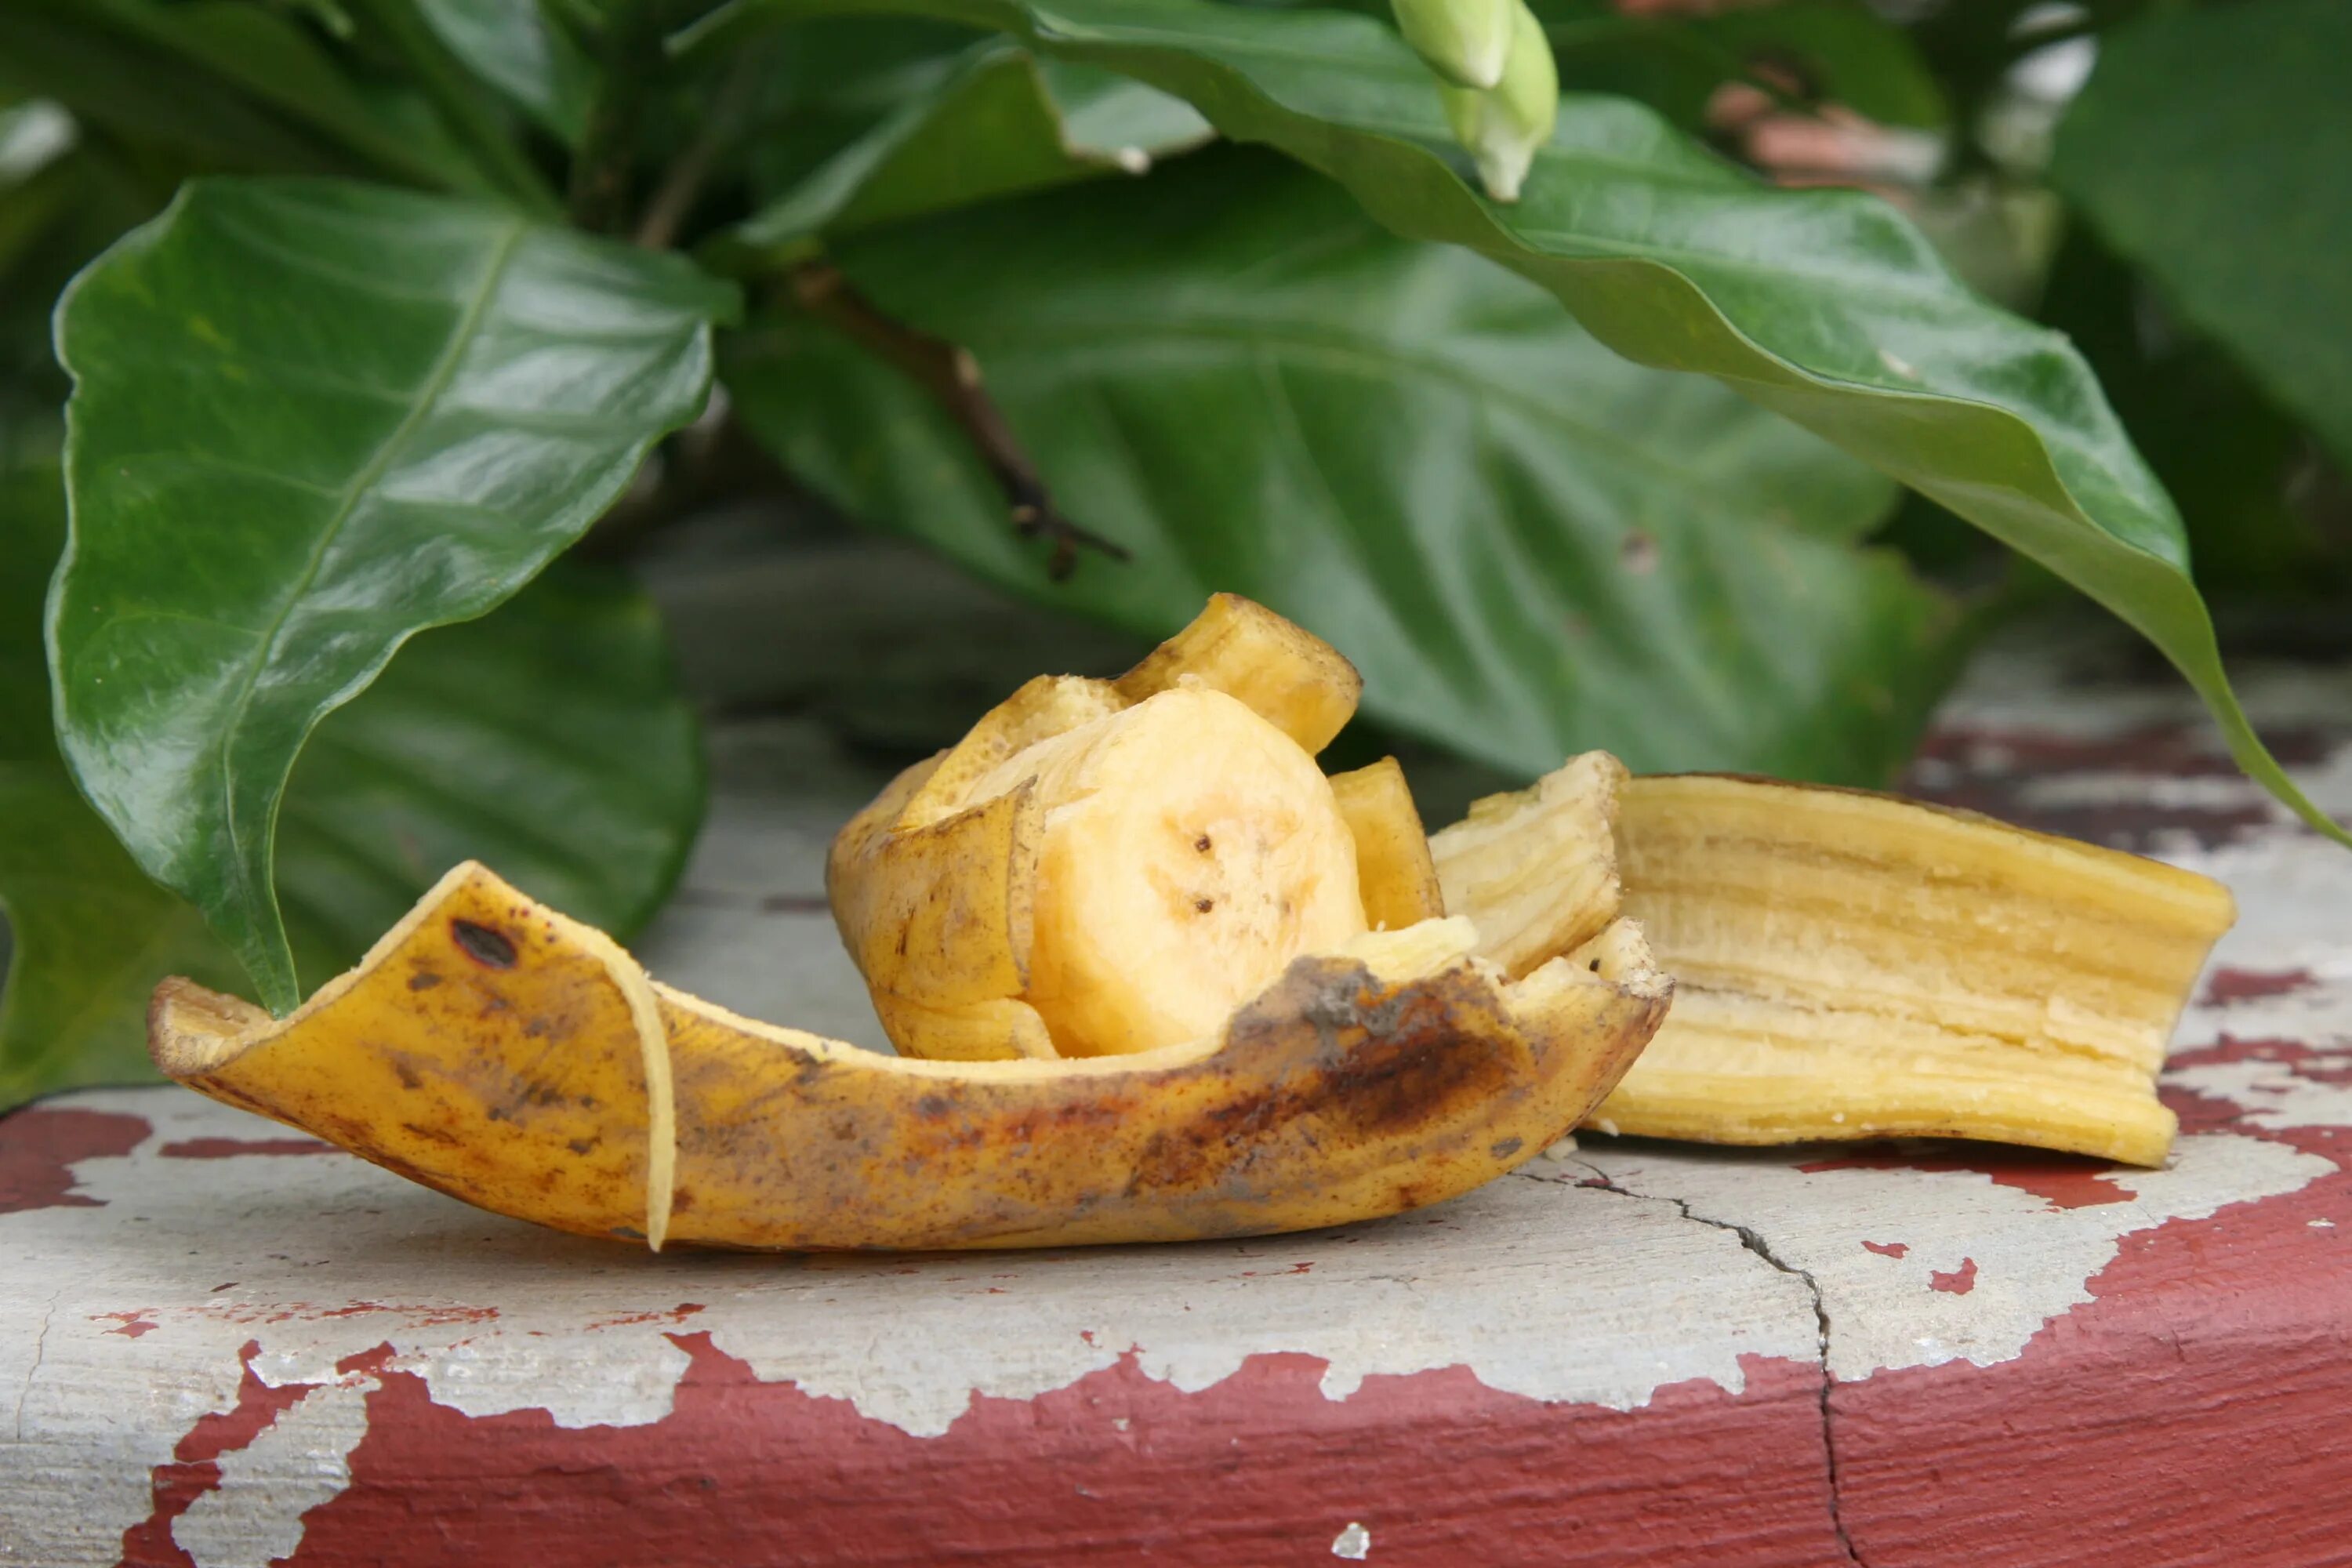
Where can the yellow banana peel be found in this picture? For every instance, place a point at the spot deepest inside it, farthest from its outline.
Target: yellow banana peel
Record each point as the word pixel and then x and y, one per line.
pixel 487 1047
pixel 1855 966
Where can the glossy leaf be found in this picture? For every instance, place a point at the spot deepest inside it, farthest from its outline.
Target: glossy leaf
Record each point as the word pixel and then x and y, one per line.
pixel 90 933
pixel 274 63
pixel 1529 546
pixel 2209 148
pixel 545 738
pixel 1825 305
pixel 994 121
pixel 519 48
pixel 308 420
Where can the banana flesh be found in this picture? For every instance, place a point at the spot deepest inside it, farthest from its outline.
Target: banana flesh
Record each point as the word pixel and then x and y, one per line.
pixel 486 1048
pixel 1853 965
pixel 1036 890
pixel 1536 869
pixel 1189 851
pixel 1394 871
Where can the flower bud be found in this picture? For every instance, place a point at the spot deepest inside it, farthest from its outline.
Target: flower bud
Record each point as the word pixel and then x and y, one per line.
pixel 1464 41
pixel 1504 125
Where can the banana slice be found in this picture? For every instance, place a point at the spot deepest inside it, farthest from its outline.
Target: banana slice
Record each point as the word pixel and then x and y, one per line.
pixel 493 1050
pixel 1189 851
pixel 1853 965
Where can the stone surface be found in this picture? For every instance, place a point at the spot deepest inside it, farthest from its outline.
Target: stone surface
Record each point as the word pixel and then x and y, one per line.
pixel 223 1345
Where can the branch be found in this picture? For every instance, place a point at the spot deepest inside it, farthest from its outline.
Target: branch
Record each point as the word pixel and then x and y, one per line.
pixel 599 196
pixel 952 378
pixel 681 186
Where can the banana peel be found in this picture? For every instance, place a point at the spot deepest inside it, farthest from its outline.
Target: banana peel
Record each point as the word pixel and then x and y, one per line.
pixel 1855 966
pixel 491 1049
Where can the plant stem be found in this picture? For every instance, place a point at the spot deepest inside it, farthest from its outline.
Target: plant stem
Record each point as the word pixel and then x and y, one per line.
pixel 632 55
pixel 463 103
pixel 681 186
pixel 952 378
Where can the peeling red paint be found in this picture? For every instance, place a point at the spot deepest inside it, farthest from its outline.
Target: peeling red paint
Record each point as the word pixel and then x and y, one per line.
pixel 1954 1281
pixel 2194 1408
pixel 40 1145
pixel 194 1468
pixel 1259 1469
pixel 424 1317
pixel 676 1314
pixel 2313 1064
pixel 2061 1181
pixel 1887 1248
pixel 130 1325
pixel 2228 986
pixel 232 1148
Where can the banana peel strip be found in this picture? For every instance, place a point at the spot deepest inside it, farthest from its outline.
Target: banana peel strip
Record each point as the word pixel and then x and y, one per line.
pixel 1852 964
pixel 494 1050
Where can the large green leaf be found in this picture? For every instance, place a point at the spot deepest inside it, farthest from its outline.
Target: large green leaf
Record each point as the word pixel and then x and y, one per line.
pixel 545 738
pixel 91 934
pixel 1529 546
pixel 1825 305
pixel 308 420
pixel 2211 148
pixel 519 48
pixel 991 121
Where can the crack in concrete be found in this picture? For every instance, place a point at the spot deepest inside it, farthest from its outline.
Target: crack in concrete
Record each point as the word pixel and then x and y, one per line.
pixel 1753 1242
pixel 33 1374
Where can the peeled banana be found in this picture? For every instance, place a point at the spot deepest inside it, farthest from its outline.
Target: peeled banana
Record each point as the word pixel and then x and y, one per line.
pixel 1153 975
pixel 1852 965
pixel 1126 921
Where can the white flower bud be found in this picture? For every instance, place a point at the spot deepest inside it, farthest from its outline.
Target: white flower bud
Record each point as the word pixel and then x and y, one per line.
pixel 1464 41
pixel 1504 125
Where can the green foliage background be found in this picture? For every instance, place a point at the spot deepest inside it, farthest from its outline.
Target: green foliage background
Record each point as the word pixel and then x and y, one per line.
pixel 327 326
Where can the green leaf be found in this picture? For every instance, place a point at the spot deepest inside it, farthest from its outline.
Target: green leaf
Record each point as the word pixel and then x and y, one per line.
pixel 308 420
pixel 1825 305
pixel 91 934
pixel 546 738
pixel 2230 457
pixel 517 48
pixel 1828 51
pixel 274 62
pixel 993 121
pixel 2209 148
pixel 1529 546
pixel 146 97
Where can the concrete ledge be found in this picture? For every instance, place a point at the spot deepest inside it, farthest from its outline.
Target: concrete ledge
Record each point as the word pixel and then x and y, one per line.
pixel 224 1344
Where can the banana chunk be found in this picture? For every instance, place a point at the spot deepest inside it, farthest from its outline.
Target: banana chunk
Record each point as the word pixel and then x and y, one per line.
pixel 1103 866
pixel 1536 869
pixel 1190 850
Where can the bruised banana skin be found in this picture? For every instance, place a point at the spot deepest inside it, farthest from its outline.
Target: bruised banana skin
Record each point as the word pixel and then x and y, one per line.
pixel 1855 966
pixel 485 1049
